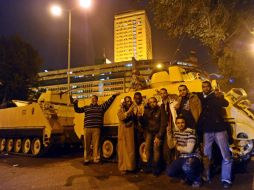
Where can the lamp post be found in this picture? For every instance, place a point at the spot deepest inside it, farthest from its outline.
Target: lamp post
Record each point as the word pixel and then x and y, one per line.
pixel 57 11
pixel 69 54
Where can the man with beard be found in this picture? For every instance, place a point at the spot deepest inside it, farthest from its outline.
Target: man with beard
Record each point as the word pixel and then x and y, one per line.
pixel 154 134
pixel 168 102
pixel 188 105
pixel 93 122
pixel 126 143
pixel 214 129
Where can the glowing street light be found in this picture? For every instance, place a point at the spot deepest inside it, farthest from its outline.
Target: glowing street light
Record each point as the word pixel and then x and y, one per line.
pixel 159 65
pixel 57 11
pixel 85 3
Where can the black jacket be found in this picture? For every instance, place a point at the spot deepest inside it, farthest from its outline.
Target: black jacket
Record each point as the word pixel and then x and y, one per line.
pixel 152 122
pixel 211 118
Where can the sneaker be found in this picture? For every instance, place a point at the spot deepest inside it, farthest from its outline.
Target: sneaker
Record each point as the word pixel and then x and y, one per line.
pixel 206 179
pixel 173 180
pixel 96 161
pixel 148 170
pixel 196 184
pixel 156 173
pixel 123 172
pixel 185 181
pixel 86 162
pixel 226 185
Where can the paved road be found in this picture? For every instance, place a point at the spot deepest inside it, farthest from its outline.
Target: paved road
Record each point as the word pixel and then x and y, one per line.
pixel 65 171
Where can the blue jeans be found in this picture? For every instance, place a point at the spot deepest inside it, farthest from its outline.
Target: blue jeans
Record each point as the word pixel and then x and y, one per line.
pixel 153 152
pixel 221 139
pixel 187 168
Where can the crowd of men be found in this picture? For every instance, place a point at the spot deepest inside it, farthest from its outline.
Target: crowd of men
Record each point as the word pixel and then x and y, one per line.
pixel 179 133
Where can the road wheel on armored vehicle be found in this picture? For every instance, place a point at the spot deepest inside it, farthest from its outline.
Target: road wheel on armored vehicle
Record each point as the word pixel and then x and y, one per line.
pixel 2 144
pixel 9 145
pixel 36 147
pixel 26 145
pixel 108 148
pixel 17 145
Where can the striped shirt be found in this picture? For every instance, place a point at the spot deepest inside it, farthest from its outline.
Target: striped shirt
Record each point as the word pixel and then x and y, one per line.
pixel 94 114
pixel 185 142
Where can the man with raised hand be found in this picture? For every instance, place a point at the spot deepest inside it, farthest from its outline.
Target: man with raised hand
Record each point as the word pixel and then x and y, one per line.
pixel 93 123
pixel 214 129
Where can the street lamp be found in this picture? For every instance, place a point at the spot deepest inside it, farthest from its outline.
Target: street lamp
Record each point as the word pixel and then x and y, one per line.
pixel 85 3
pixel 159 66
pixel 57 11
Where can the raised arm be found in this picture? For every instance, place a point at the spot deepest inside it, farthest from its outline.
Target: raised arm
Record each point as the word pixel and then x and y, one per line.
pixel 106 104
pixel 77 109
pixel 221 101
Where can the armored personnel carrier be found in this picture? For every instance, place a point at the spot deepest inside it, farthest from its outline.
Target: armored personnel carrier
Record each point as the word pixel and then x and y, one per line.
pixel 32 127
pixel 169 79
pixel 239 115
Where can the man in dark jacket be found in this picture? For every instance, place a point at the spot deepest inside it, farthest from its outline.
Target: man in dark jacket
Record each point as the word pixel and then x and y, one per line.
pixel 168 102
pixel 93 122
pixel 154 134
pixel 212 124
pixel 188 105
pixel 138 112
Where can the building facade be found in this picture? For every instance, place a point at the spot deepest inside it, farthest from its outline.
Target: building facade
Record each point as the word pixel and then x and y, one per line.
pixel 101 80
pixel 107 79
pixel 132 36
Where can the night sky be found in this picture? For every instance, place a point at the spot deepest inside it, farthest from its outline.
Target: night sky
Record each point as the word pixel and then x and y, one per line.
pixel 92 32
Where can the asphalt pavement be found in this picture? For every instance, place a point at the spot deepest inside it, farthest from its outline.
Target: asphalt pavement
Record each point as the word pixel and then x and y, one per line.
pixel 65 170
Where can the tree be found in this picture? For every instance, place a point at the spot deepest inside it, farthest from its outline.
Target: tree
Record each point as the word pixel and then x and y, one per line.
pixel 19 65
pixel 237 68
pixel 218 24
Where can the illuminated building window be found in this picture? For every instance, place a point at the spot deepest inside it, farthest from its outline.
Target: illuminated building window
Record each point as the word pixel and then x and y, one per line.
pixel 134 27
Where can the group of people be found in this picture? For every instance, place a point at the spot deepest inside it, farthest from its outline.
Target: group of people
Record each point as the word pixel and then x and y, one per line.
pixel 179 132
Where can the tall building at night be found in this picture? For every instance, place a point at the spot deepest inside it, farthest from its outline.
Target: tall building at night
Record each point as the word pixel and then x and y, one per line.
pixel 132 36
